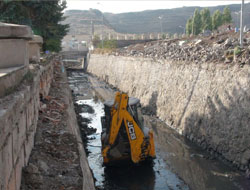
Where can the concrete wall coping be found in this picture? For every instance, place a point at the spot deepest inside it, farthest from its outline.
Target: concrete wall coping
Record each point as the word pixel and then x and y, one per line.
pixel 36 39
pixel 15 31
pixel 7 71
pixel 11 77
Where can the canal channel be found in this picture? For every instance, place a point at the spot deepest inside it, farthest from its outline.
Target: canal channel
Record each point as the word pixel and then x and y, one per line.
pixel 179 164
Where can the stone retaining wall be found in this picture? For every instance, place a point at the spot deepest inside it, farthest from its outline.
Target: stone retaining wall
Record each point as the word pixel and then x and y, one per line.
pixel 18 121
pixel 208 103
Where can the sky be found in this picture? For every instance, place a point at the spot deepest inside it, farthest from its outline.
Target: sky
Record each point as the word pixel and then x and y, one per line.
pixel 118 6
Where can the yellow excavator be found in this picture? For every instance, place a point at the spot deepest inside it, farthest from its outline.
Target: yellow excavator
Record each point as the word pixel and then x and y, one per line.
pixel 124 136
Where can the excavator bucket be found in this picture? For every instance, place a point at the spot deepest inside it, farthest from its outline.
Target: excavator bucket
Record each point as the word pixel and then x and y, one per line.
pixel 124 136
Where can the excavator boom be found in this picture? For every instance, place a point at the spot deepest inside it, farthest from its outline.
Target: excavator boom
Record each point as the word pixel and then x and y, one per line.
pixel 140 140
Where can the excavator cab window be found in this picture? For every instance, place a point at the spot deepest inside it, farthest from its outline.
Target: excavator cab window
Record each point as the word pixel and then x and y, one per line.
pixel 135 111
pixel 134 108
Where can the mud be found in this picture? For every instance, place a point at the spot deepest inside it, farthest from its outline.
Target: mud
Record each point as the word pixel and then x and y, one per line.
pixel 180 165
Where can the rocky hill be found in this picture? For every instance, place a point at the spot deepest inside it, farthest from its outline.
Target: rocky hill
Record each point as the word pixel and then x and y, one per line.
pixel 80 21
pixel 173 20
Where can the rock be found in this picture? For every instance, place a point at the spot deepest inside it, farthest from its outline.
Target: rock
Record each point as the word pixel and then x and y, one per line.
pixel 200 49
pixel 227 60
pixel 228 43
pixel 32 169
pixel 220 41
pixel 198 42
pixel 35 179
pixel 43 106
pixel 236 43
pixel 43 166
pixel 248 174
pixel 245 157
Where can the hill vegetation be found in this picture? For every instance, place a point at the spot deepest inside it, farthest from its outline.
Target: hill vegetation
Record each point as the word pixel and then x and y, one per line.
pixel 201 20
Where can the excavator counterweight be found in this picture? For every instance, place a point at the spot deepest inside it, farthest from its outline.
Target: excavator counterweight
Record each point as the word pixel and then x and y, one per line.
pixel 124 135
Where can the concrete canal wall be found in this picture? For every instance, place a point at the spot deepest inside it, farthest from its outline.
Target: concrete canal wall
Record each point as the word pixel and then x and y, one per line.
pixel 208 103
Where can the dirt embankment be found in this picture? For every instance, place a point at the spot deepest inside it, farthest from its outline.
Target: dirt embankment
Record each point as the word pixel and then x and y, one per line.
pixel 219 48
pixel 58 160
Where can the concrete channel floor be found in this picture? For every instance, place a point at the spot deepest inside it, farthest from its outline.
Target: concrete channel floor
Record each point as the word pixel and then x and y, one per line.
pixel 179 164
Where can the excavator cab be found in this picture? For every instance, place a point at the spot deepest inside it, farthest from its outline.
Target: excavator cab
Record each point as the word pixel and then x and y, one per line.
pixel 124 136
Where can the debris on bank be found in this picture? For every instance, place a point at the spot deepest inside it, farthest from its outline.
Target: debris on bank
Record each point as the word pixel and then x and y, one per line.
pixel 54 162
pixel 219 48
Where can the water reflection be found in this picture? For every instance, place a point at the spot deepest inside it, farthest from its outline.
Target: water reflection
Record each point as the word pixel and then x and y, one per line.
pixel 150 175
pixel 192 164
pixel 130 177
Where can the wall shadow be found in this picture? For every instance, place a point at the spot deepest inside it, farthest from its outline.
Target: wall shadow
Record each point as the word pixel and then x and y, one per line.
pixel 189 97
pixel 151 108
pixel 223 130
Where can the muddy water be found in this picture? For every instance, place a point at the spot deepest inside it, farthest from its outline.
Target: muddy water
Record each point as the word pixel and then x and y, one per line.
pixel 179 165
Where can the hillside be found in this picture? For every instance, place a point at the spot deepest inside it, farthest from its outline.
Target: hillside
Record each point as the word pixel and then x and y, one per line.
pixel 173 21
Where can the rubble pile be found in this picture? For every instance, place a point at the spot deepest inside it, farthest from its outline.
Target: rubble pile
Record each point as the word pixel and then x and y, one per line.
pixel 223 48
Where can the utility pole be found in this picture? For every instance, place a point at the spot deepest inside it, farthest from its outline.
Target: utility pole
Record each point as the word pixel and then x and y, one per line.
pixel 92 29
pixel 160 17
pixel 102 30
pixel 98 3
pixel 184 29
pixel 241 23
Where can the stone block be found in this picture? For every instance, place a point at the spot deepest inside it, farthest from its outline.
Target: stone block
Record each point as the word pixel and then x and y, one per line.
pixel 15 31
pixel 1 170
pixel 12 181
pixel 13 53
pixel 6 123
pixel 10 77
pixel 28 145
pixel 19 136
pixel 16 143
pixel 22 127
pixel 6 165
pixel 18 168
pixel 30 113
pixel 35 47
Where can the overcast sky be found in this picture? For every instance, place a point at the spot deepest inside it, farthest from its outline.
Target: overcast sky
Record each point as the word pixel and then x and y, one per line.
pixel 117 6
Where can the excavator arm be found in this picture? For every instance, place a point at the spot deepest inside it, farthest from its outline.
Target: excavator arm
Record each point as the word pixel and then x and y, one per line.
pixel 140 145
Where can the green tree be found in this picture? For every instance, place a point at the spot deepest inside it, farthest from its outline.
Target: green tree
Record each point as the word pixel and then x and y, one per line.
pixel 227 17
pixel 43 17
pixel 206 19
pixel 217 19
pixel 197 24
pixel 96 40
pixel 109 44
pixel 189 26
